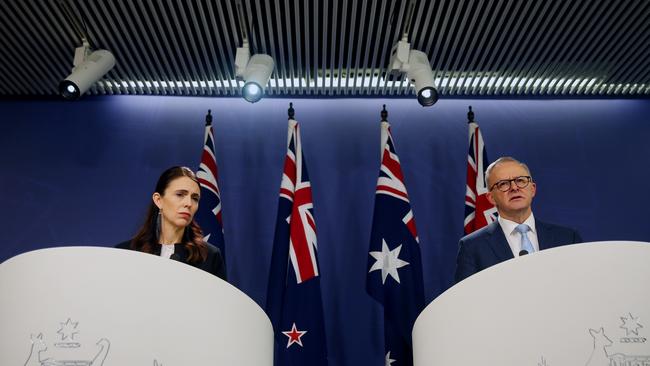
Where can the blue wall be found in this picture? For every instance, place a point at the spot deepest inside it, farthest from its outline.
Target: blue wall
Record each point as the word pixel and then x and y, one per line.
pixel 82 174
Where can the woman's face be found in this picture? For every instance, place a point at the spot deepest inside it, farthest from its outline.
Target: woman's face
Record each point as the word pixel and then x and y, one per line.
pixel 179 202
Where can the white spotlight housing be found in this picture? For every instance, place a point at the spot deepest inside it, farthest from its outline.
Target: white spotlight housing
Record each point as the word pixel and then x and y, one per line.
pixel 416 66
pixel 88 68
pixel 255 71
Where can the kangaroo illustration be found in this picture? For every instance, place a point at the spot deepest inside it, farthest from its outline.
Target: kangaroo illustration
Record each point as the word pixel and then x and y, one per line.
pixel 38 346
pixel 599 356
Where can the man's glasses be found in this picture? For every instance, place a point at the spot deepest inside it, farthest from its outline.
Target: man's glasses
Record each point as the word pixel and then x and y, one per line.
pixel 504 185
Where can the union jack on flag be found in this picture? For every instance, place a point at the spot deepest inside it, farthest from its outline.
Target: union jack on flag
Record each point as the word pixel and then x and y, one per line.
pixel 394 275
pixel 479 212
pixel 294 301
pixel 209 214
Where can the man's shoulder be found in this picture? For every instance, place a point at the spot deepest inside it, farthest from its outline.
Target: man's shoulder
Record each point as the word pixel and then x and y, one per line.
pixel 553 227
pixel 555 235
pixel 481 233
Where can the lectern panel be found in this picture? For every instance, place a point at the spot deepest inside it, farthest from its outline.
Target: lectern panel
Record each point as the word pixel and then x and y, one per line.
pixel 104 306
pixel 582 304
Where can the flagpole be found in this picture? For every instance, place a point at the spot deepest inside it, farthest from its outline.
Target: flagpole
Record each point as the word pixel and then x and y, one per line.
pixel 470 115
pixel 384 114
pixel 291 111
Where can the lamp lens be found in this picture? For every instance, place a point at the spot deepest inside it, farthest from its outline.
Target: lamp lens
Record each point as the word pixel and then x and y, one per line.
pixel 69 90
pixel 427 96
pixel 252 92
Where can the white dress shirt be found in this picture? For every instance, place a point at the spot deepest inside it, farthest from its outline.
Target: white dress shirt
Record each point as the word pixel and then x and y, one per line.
pixel 514 238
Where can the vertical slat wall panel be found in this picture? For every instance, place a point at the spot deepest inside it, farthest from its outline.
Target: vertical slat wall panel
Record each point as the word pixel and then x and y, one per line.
pixel 333 47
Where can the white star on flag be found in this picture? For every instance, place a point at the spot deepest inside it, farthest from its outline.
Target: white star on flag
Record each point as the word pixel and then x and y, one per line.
pixel 294 335
pixel 388 360
pixel 388 261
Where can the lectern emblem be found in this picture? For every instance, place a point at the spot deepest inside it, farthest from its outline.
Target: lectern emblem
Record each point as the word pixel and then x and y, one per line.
pixel 629 350
pixel 67 348
pixel 631 326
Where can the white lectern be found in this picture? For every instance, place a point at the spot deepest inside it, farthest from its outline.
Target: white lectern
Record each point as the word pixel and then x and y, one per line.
pixel 103 306
pixel 583 304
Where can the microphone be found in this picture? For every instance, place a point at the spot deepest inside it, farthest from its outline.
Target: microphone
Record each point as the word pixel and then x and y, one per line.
pixel 175 257
pixel 523 252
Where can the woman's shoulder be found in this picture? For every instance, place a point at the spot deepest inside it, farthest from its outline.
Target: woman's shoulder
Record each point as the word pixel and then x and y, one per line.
pixel 124 245
pixel 214 262
pixel 213 250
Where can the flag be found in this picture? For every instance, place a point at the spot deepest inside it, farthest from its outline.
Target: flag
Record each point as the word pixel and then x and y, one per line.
pixel 209 214
pixel 479 211
pixel 294 297
pixel 394 275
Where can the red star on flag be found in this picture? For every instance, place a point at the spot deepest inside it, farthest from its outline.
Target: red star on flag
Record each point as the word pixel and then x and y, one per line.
pixel 294 335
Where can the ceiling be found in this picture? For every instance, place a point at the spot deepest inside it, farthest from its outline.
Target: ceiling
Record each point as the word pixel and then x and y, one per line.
pixel 339 48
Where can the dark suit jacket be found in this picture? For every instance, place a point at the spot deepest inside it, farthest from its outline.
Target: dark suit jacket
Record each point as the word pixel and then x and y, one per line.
pixel 488 246
pixel 213 262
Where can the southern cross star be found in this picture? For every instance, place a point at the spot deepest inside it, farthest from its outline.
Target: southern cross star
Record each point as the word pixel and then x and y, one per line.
pixel 294 336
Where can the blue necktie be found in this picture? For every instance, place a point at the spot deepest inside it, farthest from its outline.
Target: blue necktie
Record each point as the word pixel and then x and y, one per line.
pixel 526 245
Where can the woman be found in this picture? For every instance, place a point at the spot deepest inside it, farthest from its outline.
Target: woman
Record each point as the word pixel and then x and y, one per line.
pixel 169 229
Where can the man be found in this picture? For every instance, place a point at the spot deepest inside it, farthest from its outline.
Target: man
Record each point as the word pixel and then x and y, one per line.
pixel 516 232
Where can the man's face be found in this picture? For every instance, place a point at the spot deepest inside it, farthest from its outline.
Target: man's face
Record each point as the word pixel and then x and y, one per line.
pixel 515 201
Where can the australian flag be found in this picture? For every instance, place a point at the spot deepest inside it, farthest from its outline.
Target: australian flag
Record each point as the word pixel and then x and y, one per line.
pixel 394 276
pixel 209 214
pixel 294 297
pixel 479 211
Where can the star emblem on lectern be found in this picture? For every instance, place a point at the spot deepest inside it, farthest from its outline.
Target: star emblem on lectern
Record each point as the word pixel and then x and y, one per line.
pixel 294 336
pixel 68 329
pixel 631 325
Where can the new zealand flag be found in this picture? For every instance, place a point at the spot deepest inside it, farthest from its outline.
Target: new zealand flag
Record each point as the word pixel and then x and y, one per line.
pixel 209 214
pixel 394 276
pixel 294 298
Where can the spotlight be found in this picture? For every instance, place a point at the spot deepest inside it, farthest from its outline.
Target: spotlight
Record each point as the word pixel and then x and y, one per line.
pixel 88 68
pixel 416 66
pixel 255 71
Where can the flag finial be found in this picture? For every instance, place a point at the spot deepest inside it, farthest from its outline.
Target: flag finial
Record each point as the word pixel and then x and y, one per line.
pixel 291 111
pixel 470 115
pixel 208 118
pixel 384 114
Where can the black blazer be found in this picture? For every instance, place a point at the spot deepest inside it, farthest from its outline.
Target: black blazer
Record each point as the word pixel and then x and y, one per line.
pixel 488 246
pixel 213 262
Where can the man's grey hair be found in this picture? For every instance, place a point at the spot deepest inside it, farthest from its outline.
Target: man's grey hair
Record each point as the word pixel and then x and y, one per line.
pixel 501 160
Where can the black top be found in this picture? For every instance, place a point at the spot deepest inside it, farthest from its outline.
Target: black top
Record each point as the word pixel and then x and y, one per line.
pixel 213 262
